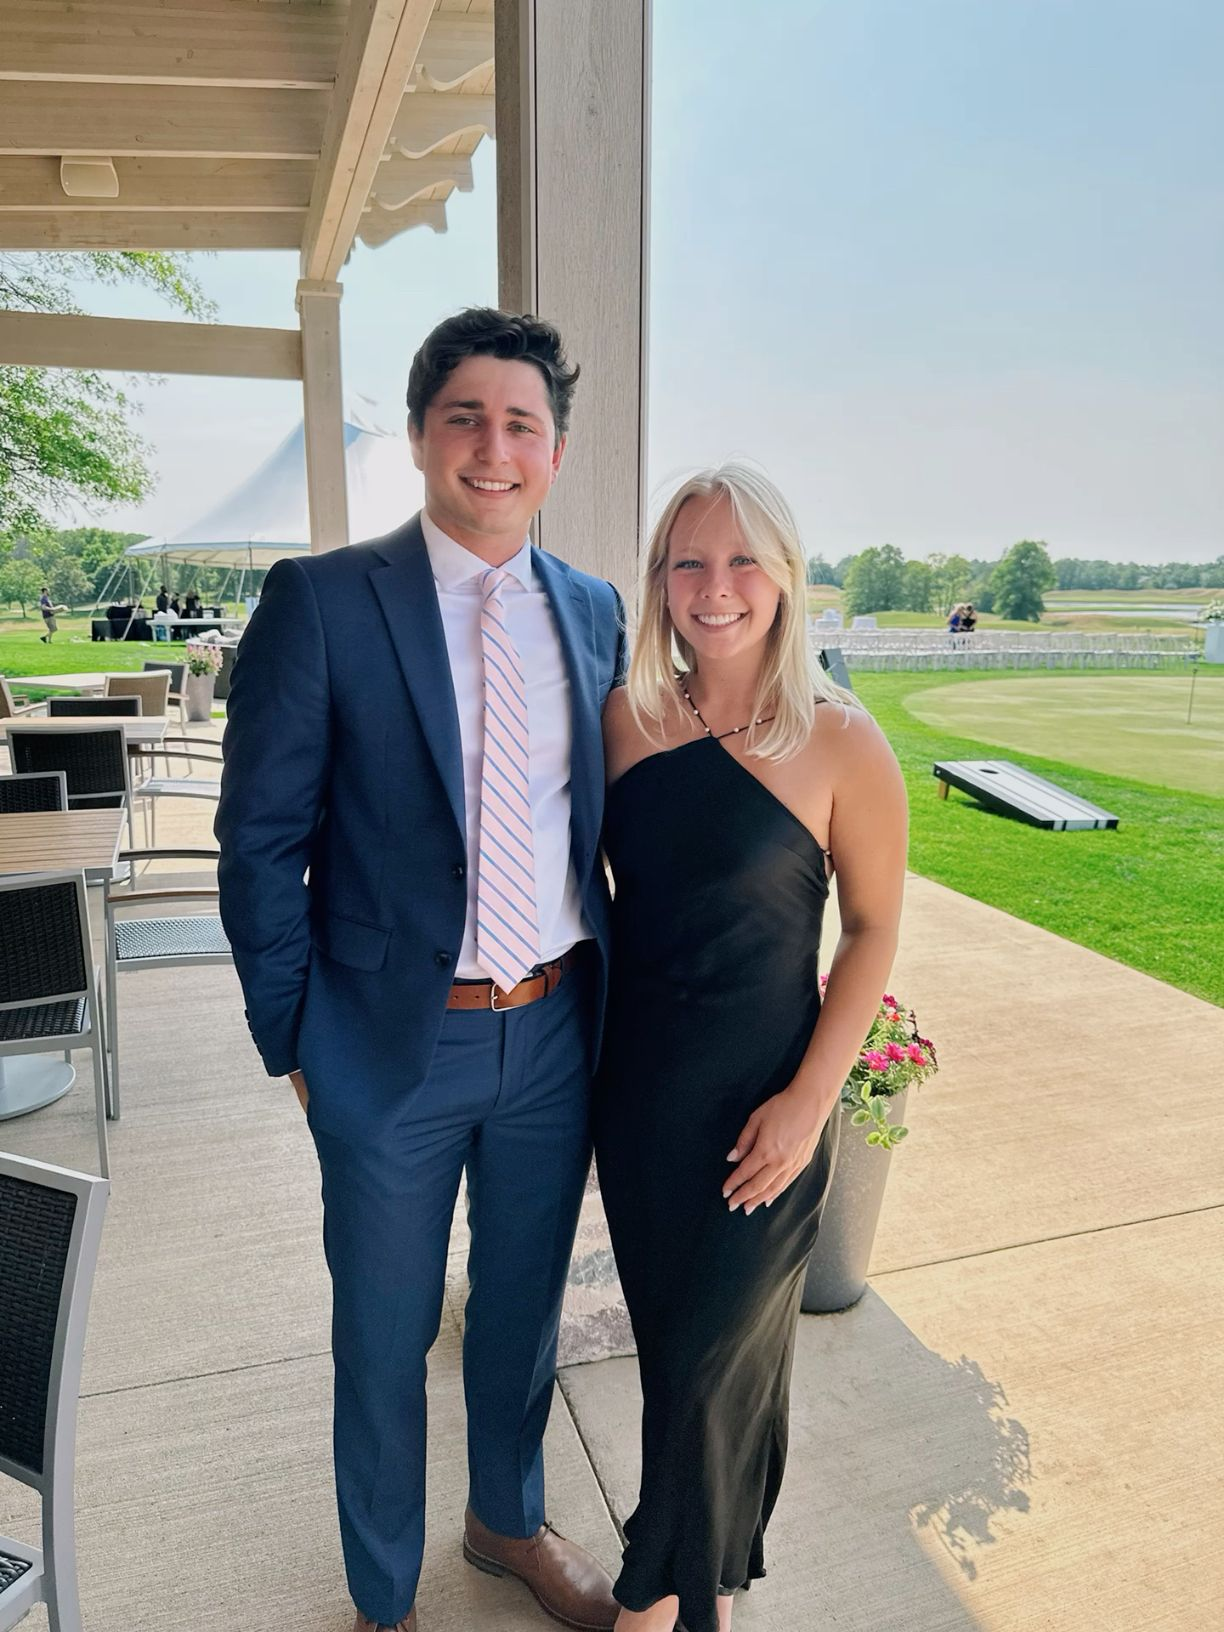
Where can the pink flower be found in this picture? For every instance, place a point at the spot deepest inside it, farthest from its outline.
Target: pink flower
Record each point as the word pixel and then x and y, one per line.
pixel 916 1054
pixel 876 1060
pixel 895 1051
pixel 890 1002
pixel 824 980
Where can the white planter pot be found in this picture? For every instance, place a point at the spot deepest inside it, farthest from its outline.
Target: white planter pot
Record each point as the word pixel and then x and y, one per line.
pixel 198 696
pixel 837 1271
pixel 1213 649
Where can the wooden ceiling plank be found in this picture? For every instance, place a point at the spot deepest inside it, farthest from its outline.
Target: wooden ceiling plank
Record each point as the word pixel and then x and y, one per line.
pixel 110 121
pixel 381 45
pixel 32 183
pixel 54 340
pixel 150 229
pixel 244 42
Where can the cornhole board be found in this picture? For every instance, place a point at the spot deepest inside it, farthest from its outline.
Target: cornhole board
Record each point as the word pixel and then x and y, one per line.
pixel 834 664
pixel 1008 787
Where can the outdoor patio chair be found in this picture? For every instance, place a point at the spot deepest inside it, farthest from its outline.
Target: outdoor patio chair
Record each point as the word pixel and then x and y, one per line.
pixel 178 787
pixel 50 1227
pixel 50 988
pixel 29 791
pixel 95 763
pixel 177 672
pixel 152 690
pixel 151 686
pixel 59 708
pixel 10 710
pixel 156 943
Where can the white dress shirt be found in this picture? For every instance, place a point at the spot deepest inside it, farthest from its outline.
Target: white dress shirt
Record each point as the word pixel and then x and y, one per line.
pixel 529 620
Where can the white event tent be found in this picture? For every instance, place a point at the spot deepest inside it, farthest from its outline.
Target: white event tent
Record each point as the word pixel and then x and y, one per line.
pixel 267 517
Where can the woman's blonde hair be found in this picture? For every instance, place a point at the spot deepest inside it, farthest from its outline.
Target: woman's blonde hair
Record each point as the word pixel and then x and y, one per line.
pixel 791 679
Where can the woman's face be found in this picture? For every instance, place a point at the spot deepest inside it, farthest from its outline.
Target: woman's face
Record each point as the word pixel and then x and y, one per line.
pixel 719 599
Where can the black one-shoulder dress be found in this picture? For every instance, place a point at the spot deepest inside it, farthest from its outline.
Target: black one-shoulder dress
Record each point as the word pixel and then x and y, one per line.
pixel 720 893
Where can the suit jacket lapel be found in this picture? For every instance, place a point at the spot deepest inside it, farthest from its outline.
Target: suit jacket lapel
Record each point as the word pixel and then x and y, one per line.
pixel 575 619
pixel 409 598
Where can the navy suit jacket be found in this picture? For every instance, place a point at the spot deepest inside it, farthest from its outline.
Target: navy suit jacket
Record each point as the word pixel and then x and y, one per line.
pixel 341 820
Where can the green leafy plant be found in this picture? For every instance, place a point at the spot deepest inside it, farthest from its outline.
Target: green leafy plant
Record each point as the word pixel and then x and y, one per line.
pixel 892 1057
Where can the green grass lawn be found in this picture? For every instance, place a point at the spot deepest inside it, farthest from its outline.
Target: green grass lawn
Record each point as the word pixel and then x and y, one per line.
pixel 1124 724
pixel 1150 893
pixel 72 651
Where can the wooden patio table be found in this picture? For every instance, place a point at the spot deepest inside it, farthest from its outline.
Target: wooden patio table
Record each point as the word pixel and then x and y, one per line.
pixel 52 841
pixel 137 728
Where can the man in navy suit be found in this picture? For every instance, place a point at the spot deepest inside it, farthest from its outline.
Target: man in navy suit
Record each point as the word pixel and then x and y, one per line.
pixel 411 883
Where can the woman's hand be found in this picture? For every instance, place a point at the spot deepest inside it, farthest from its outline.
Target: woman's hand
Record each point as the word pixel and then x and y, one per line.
pixel 778 1141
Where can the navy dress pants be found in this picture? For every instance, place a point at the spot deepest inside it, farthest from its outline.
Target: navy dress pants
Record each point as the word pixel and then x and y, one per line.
pixel 507 1100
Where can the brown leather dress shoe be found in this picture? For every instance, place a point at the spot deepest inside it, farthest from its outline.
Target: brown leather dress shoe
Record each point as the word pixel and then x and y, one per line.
pixel 363 1623
pixel 566 1581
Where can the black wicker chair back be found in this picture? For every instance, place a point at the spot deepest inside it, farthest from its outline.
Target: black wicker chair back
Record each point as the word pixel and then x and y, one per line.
pixel 41 950
pixel 95 762
pixel 44 790
pixel 62 707
pixel 35 1235
pixel 176 671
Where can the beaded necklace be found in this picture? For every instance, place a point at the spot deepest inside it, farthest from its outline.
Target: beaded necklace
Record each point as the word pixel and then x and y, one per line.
pixel 733 733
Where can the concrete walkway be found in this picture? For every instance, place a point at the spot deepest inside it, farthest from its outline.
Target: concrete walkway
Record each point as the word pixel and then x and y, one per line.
pixel 1017 1428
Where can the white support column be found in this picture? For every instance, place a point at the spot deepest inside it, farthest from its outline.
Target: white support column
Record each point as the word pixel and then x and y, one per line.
pixel 573 154
pixel 318 305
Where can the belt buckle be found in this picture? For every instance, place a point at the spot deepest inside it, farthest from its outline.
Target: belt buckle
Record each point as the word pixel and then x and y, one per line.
pixel 493 989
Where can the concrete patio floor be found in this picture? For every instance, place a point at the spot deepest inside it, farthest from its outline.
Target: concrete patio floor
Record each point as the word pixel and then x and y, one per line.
pixel 1016 1429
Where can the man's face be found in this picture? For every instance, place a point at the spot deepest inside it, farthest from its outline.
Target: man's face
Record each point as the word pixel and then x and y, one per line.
pixel 488 451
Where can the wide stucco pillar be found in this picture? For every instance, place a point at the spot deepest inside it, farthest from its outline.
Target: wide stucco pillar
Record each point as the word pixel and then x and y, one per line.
pixel 318 305
pixel 573 151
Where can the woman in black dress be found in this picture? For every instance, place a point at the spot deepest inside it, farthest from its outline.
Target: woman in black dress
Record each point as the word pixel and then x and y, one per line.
pixel 733 784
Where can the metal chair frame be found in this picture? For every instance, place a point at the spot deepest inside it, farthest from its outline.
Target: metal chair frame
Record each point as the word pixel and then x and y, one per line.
pixel 177 787
pixel 9 710
pixel 170 958
pixel 51 1576
pixel 92 1033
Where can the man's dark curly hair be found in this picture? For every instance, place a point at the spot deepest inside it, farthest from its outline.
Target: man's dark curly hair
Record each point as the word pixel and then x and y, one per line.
pixel 482 331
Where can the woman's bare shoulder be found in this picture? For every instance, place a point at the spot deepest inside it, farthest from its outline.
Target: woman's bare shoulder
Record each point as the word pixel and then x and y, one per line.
pixel 848 739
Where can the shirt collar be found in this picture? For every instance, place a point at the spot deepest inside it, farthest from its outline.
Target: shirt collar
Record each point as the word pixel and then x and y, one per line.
pixel 454 567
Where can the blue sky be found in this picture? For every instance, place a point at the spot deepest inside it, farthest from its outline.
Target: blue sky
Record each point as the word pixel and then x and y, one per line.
pixel 951 270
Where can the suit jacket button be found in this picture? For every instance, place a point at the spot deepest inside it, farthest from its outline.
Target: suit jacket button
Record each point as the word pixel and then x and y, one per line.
pixel 443 959
pixel 459 870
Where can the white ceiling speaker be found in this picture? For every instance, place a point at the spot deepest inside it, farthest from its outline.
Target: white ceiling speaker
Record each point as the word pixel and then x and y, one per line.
pixel 86 177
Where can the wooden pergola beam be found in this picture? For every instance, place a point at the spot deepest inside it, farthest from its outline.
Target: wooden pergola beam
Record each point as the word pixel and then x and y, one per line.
pixel 426 118
pixel 182 186
pixel 130 346
pixel 400 180
pixel 456 44
pixel 380 47
pixel 150 229
pixel 51 118
pixel 293 44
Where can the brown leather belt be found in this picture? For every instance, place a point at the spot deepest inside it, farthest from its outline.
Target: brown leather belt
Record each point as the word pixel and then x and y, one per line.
pixel 486 994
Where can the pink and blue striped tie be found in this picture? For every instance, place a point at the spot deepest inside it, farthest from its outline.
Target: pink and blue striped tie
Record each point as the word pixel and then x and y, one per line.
pixel 507 927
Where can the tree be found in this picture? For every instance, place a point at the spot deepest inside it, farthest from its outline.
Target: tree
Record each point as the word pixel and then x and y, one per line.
pixel 68 584
pixel 917 586
pixel 950 575
pixel 819 571
pixel 20 581
pixel 1021 579
pixel 67 434
pixel 873 581
pixel 97 550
